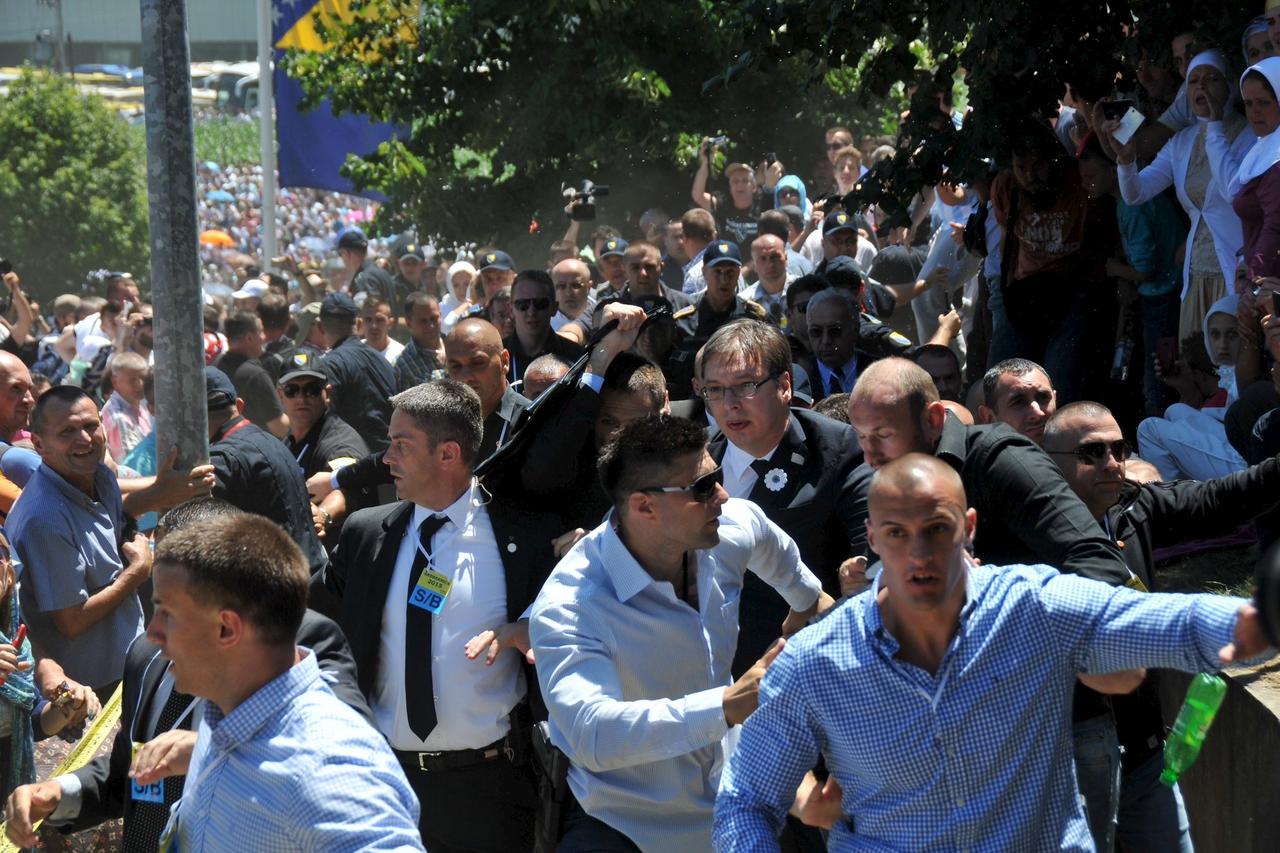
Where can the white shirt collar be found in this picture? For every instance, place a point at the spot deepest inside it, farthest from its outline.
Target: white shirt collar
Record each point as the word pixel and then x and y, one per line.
pixel 737 461
pixel 457 512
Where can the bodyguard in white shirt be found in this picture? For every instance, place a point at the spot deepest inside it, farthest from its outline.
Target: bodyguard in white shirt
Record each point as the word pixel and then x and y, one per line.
pixel 447 569
pixel 634 633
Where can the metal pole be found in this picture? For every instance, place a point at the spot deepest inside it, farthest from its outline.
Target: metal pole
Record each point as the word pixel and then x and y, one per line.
pixel 267 124
pixel 182 417
pixel 59 40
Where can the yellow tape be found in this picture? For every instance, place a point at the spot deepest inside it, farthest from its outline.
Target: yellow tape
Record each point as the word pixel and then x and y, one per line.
pixel 82 754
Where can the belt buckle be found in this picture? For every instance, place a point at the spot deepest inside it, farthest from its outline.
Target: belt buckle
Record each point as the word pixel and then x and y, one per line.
pixel 424 757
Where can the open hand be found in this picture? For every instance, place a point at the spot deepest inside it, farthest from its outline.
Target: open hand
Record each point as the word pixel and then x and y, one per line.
pixel 512 635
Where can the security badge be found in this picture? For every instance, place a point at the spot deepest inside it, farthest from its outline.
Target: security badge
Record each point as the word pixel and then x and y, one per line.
pixel 431 591
pixel 153 793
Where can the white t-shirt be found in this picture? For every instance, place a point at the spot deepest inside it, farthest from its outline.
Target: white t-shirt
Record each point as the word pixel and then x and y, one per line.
pixel 90 337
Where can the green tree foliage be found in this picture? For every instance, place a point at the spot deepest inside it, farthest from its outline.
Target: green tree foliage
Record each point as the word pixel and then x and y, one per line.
pixel 506 99
pixel 1016 57
pixel 72 187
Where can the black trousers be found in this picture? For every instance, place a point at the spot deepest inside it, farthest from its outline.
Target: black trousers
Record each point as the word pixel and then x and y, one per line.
pixel 484 808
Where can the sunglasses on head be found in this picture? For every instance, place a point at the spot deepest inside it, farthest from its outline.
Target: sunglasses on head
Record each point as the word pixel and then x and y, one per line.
pixel 1095 452
pixel 541 303
pixel 311 389
pixel 700 490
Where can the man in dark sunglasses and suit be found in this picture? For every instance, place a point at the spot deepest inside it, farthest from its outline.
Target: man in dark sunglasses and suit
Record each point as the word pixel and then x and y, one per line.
pixel 534 298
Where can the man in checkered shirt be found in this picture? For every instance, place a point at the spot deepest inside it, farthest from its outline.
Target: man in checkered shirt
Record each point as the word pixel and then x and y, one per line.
pixel 941 697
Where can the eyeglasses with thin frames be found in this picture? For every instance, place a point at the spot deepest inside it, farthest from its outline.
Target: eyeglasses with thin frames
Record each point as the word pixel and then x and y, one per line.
pixel 1095 452
pixel 741 391
pixel 701 489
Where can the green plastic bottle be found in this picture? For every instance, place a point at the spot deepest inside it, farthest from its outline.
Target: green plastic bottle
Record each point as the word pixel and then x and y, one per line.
pixel 1204 697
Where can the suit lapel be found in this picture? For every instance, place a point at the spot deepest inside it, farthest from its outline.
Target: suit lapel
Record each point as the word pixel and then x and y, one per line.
pixel 363 611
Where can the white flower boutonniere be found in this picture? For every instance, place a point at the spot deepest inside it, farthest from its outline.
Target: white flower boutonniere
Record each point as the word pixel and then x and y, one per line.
pixel 775 480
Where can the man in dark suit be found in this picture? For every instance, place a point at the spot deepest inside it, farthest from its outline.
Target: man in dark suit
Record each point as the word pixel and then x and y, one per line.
pixel 154 714
pixel 446 567
pixel 795 465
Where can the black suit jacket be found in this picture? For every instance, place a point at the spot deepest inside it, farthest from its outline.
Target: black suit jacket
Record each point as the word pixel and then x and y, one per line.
pixel 816 507
pixel 359 572
pixel 105 780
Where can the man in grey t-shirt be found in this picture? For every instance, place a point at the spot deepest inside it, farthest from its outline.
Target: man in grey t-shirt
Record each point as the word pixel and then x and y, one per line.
pixel 79 574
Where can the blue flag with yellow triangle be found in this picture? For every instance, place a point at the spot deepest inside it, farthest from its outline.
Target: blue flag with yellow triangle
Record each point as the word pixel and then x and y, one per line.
pixel 313 145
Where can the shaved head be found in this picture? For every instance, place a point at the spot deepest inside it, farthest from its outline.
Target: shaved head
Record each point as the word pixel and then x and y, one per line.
pixel 571 269
pixel 897 379
pixel 16 397
pixel 916 475
pixel 478 332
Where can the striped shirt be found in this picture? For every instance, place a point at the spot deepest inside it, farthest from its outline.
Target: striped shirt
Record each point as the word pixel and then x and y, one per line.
pixel 974 757
pixel 417 365
pixel 291 769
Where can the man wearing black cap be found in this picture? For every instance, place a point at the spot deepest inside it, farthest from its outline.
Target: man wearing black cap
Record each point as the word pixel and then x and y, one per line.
pixel 411 272
pixel 534 298
pixel 254 471
pixel 363 275
pixel 612 267
pixel 496 271
pixel 715 306
pixel 318 439
pixel 361 379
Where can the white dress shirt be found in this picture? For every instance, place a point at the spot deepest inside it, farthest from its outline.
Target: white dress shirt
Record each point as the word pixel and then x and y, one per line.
pixel 472 699
pixel 739 477
pixel 634 677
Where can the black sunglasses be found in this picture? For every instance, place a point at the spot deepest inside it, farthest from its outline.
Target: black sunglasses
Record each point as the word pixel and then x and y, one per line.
pixel 311 389
pixel 542 303
pixel 1095 452
pixel 700 490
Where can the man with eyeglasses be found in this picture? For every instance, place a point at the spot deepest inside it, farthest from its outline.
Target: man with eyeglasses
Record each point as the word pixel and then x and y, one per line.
pixel 795 465
pixel 574 302
pixel 1086 442
pixel 534 297
pixel 634 632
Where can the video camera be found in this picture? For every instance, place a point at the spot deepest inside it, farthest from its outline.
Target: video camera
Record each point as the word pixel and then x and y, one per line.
pixel 582 201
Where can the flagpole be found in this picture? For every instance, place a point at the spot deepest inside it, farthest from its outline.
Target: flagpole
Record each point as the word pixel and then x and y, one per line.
pixel 267 123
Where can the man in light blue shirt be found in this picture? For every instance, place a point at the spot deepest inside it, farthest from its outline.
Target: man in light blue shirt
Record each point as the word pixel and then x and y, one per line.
pixel 634 634
pixel 280 763
pixel 80 574
pixel 968 673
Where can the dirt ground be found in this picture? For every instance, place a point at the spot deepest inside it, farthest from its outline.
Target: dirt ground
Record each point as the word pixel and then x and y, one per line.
pixel 1227 572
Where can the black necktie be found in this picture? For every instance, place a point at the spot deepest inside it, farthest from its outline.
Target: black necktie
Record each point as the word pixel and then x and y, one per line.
pixel 146 822
pixel 419 693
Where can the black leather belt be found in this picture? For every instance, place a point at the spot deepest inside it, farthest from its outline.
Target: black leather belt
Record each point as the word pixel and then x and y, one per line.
pixel 454 759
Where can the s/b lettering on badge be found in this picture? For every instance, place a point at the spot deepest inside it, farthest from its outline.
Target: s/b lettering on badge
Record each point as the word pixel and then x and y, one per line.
pixel 430 592
pixel 153 793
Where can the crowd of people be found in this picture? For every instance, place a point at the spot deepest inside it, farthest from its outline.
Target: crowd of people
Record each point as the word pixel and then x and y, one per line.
pixel 774 524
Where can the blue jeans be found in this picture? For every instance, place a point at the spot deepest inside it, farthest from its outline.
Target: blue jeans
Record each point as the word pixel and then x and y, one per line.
pixel 1159 317
pixel 1097 756
pixel 1152 816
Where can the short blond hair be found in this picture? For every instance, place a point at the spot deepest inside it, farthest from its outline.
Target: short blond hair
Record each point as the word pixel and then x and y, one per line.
pixel 127 361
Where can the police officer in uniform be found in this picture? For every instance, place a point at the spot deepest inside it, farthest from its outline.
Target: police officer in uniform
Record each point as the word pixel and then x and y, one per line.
pixel 362 380
pixel 711 309
pixel 874 301
pixel 255 471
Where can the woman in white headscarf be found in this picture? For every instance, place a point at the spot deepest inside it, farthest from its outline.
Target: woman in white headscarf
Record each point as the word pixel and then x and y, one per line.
pixel 1190 441
pixel 1214 238
pixel 1254 187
